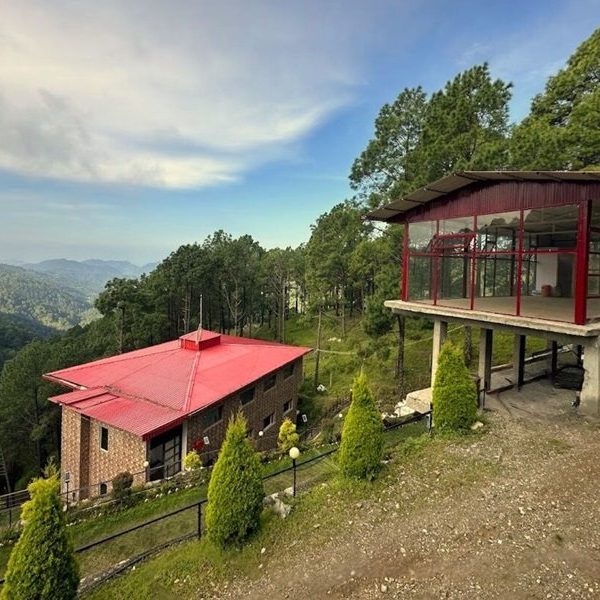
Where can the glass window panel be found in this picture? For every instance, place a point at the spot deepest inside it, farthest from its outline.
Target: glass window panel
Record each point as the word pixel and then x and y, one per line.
pixel 594 242
pixel 498 232
pixel 461 225
pixel 594 263
pixel 593 286
pixel 454 280
pixel 420 236
pixel 495 283
pixel 548 285
pixel 551 227
pixel 419 278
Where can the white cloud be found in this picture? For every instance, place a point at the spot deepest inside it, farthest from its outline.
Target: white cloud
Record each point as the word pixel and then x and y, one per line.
pixel 173 94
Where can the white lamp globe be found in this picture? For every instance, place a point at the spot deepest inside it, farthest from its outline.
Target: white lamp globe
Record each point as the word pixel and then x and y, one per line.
pixel 294 453
pixel 261 433
pixel 146 464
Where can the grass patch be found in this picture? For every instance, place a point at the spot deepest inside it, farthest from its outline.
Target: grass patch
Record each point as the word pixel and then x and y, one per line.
pixel 194 568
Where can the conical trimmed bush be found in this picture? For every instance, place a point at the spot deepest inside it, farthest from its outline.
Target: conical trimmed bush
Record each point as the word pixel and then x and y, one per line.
pixel 454 392
pixel 235 490
pixel 361 449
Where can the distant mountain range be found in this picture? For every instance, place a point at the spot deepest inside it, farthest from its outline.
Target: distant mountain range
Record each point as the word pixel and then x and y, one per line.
pixel 40 298
pixel 87 276
pixel 59 293
pixel 37 299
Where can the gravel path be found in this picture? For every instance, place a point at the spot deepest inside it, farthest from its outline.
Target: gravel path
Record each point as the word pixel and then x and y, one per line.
pixel 529 527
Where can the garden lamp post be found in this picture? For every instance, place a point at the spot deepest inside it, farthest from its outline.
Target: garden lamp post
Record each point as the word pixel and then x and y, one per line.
pixel 294 454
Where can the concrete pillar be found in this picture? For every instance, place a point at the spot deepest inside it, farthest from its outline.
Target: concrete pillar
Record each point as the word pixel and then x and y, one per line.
pixel 486 341
pixel 518 360
pixel 440 331
pixel 590 392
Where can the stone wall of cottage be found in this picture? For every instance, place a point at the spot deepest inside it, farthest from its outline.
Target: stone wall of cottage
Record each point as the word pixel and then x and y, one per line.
pixel 265 403
pixel 88 464
pixel 74 449
pixel 126 452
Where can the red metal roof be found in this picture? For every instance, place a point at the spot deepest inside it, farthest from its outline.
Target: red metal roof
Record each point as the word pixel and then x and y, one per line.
pixel 451 183
pixel 147 390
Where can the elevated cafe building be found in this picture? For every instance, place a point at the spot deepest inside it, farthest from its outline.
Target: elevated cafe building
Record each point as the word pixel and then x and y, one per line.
pixel 511 251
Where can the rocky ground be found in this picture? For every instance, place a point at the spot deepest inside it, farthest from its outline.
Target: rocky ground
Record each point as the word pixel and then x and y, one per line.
pixel 512 514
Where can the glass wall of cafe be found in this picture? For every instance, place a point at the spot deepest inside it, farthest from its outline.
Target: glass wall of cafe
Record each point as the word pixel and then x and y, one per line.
pixel 541 262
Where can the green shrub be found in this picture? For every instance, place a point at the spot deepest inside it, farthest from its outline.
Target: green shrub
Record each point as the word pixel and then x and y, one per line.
pixel 192 461
pixel 121 488
pixel 42 565
pixel 454 392
pixel 361 449
pixel 235 490
pixel 287 438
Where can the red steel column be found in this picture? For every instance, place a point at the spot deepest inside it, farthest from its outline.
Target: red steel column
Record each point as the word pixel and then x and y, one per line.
pixel 404 290
pixel 520 263
pixel 581 268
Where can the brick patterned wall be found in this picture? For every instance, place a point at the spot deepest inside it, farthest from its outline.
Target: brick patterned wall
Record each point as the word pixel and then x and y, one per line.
pixel 264 403
pixel 70 453
pixel 88 464
pixel 126 452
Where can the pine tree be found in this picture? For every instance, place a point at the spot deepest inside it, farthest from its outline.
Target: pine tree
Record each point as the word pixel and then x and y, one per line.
pixel 287 438
pixel 235 490
pixel 454 392
pixel 42 565
pixel 361 449
pixel 562 130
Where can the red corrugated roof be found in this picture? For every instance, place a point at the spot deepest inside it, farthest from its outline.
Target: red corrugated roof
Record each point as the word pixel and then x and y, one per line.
pixel 146 390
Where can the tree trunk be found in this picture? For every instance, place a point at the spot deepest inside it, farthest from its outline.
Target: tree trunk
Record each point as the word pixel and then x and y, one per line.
pixel 343 315
pixel 468 346
pixel 318 350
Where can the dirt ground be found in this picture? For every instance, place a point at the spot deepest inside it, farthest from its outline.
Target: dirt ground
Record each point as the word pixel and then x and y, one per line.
pixel 529 529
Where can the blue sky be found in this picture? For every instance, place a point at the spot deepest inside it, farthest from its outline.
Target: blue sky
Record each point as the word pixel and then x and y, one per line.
pixel 127 129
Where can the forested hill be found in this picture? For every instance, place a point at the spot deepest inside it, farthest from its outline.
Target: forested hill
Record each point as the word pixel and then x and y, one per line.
pixel 88 276
pixel 17 331
pixel 39 298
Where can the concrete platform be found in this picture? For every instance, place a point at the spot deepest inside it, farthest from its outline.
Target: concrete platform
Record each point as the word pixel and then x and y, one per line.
pixel 526 324
pixel 539 399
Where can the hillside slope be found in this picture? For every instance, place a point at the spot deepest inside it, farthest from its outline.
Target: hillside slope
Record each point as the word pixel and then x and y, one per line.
pixel 511 514
pixel 38 297
pixel 15 332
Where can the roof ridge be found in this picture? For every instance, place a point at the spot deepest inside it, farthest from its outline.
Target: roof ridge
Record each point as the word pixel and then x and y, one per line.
pixel 191 382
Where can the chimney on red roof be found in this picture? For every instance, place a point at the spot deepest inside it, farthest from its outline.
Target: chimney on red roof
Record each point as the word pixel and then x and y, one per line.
pixel 190 341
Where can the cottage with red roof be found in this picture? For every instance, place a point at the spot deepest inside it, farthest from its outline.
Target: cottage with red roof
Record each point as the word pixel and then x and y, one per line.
pixel 144 410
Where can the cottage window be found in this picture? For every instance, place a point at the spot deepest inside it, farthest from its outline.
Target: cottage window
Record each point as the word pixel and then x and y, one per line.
pixel 213 416
pixel 104 438
pixel 103 489
pixel 288 370
pixel 287 406
pixel 270 382
pixel 247 396
pixel 268 421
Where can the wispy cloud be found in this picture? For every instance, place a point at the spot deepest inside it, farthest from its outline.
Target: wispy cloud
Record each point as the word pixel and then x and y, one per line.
pixel 157 93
